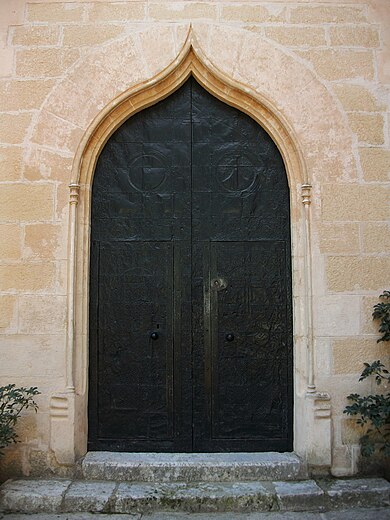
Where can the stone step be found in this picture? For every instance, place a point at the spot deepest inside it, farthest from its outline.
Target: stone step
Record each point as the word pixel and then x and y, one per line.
pixel 192 467
pixel 377 513
pixel 61 496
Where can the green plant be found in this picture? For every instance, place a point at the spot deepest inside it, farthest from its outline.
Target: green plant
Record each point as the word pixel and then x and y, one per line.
pixel 382 312
pixel 374 409
pixel 12 402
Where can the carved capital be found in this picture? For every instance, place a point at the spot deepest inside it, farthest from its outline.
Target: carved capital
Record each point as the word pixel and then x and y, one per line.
pixel 74 193
pixel 306 194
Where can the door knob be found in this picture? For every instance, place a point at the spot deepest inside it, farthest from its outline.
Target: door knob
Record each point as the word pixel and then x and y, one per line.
pixel 154 335
pixel 229 337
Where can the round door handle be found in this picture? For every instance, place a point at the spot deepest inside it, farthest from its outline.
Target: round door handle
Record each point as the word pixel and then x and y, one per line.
pixel 229 337
pixel 154 335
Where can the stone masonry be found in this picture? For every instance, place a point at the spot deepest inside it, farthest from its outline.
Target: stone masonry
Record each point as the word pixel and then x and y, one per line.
pixel 323 67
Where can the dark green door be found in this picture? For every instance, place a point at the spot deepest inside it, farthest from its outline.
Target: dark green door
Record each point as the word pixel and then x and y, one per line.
pixel 190 293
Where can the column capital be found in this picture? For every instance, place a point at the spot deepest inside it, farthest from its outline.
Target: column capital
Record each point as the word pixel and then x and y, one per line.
pixel 74 193
pixel 306 194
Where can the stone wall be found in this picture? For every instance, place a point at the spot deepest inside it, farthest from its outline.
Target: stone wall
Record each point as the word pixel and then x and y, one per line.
pixel 322 67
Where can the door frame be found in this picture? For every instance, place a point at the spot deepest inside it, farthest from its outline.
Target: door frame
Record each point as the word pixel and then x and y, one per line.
pixel 216 249
pixel 190 60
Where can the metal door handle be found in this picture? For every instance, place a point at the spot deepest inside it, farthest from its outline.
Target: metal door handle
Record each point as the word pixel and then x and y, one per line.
pixel 229 337
pixel 154 335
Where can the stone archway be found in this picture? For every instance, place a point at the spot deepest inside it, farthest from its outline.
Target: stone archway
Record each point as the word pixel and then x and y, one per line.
pixel 243 70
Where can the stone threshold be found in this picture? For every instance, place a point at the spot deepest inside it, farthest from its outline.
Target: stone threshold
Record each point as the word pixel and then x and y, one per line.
pixel 192 467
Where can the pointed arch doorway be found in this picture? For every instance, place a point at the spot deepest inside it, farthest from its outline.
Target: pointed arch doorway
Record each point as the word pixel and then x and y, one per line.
pixel 190 283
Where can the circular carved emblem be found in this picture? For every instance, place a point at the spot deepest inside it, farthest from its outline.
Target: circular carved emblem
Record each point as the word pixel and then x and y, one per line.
pixel 237 172
pixel 147 172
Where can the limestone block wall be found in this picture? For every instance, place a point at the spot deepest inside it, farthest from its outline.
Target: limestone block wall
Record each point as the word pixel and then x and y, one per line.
pixel 323 67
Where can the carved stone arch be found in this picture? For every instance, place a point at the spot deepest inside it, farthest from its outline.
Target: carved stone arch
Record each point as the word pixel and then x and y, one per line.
pixel 211 54
pixel 189 61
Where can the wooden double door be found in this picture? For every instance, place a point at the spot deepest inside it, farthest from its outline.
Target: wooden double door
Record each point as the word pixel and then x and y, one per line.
pixel 190 283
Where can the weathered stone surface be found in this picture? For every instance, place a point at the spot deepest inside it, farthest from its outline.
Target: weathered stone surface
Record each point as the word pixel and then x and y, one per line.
pixel 77 516
pixel 10 163
pixel 337 316
pixel 7 306
pixel 23 95
pixel 376 237
pixel 36 35
pixel 43 241
pixel 80 35
pixel 359 514
pixel 33 496
pixel 352 514
pixel 332 237
pixel 26 202
pixel 349 354
pixel 234 516
pixel 354 202
pixel 353 36
pixel 124 11
pixel 297 36
pixel 252 13
pixel 375 164
pixel 13 127
pixel 328 13
pixel 181 498
pixel 194 497
pixel 43 164
pixel 26 277
pixel 182 11
pixel 313 109
pixel 42 314
pixel 167 467
pixel 88 496
pixel 49 62
pixel 367 127
pixel 355 97
pixel 358 492
pixel 65 12
pixel 10 240
pixel 40 355
pixel 339 64
pixel 299 496
pixel 353 273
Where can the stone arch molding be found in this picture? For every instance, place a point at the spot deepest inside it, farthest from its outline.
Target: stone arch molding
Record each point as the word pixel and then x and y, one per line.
pixel 246 71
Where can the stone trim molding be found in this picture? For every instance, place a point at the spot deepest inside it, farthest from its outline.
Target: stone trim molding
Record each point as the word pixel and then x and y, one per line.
pixel 306 201
pixel 73 202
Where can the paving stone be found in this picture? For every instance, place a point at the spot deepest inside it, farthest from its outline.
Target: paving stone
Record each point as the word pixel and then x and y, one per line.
pixel 196 497
pixel 88 496
pixel 69 516
pixel 235 516
pixel 176 467
pixel 33 496
pixel 359 514
pixel 358 492
pixel 302 495
pixel 351 514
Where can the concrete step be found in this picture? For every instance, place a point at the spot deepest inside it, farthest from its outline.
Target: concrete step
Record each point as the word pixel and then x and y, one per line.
pixel 192 467
pixel 60 496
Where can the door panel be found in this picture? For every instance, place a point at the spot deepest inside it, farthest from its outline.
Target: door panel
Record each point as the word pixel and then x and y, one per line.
pixel 138 401
pixel 250 401
pixel 191 241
